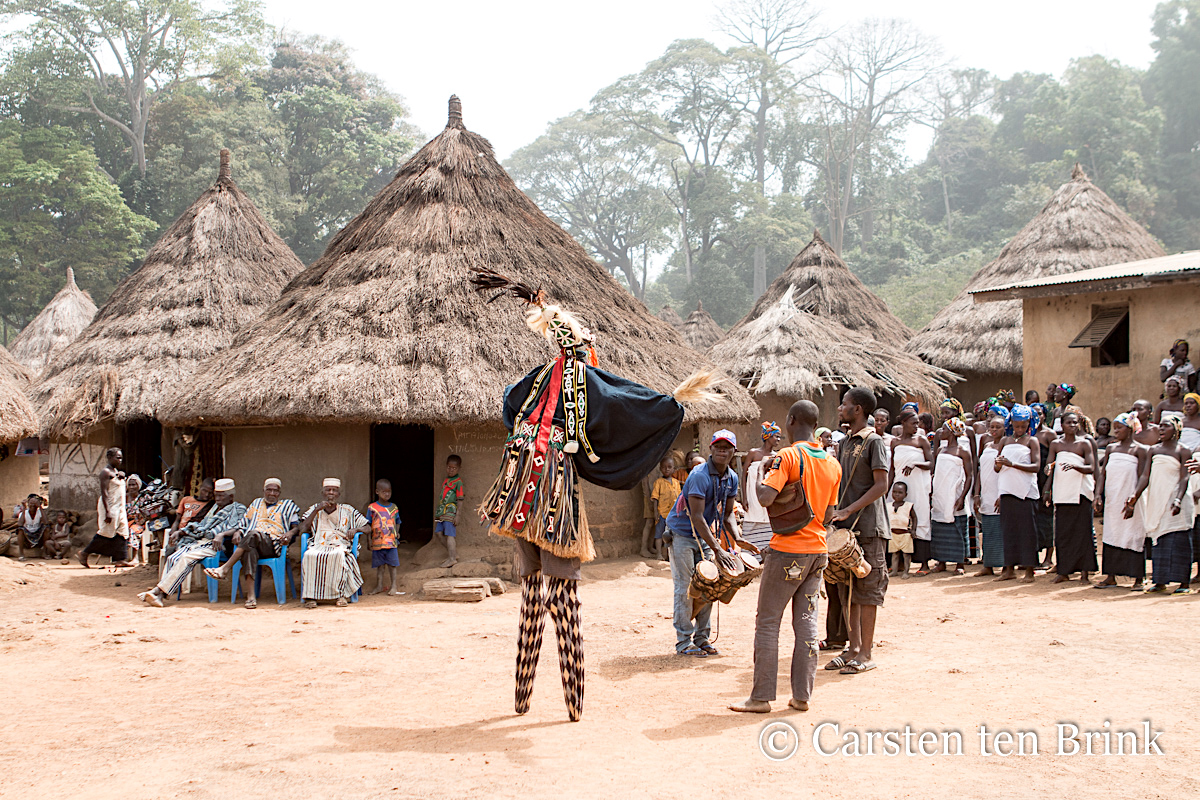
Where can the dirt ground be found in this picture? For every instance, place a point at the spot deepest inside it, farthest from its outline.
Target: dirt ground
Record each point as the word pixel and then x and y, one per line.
pixel 394 697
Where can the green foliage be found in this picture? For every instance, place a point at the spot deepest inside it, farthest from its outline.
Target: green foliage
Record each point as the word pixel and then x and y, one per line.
pixel 58 210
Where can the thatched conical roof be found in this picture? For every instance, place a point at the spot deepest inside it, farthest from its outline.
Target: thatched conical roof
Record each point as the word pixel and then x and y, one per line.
pixel 668 315
pixel 798 354
pixel 217 267
pixel 384 327
pixel 58 324
pixel 1080 228
pixel 830 289
pixel 17 417
pixel 700 331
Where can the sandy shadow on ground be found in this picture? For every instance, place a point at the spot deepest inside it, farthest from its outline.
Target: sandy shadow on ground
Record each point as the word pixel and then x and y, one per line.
pixel 624 667
pixel 709 724
pixel 495 735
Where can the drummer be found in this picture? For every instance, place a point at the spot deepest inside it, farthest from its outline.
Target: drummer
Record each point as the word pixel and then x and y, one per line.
pixel 861 509
pixel 709 495
pixel 793 563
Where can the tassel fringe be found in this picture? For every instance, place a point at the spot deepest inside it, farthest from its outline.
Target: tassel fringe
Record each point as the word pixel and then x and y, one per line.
pixel 697 388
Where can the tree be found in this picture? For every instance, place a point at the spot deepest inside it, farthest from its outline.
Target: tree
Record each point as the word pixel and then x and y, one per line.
pixel 956 95
pixel 690 101
pixel 600 182
pixel 864 97
pixel 1172 77
pixel 775 35
pixel 153 45
pixel 58 210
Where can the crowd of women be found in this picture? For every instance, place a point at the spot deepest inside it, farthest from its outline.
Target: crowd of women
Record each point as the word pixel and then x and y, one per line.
pixel 1019 485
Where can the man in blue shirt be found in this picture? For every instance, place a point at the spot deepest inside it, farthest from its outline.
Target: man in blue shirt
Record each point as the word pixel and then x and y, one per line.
pixel 708 495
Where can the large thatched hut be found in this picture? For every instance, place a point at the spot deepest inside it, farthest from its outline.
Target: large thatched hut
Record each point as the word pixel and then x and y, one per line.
pixel 391 362
pixel 59 323
pixel 700 331
pixel 785 353
pixel 1079 228
pixel 822 283
pixel 216 268
pixel 18 473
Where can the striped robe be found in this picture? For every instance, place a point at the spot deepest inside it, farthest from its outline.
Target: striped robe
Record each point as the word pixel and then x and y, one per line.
pixel 196 544
pixel 329 570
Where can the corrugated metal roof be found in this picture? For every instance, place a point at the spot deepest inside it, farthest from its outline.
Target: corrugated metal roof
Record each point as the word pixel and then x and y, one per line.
pixel 1178 266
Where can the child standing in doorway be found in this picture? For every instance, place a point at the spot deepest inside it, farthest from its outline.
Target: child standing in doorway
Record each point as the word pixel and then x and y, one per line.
pixel 664 494
pixel 446 515
pixel 384 517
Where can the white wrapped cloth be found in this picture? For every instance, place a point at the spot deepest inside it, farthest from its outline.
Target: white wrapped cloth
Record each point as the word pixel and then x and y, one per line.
pixel 989 481
pixel 1120 482
pixel 948 481
pixel 1160 495
pixel 1015 482
pixel 1070 485
pixel 918 482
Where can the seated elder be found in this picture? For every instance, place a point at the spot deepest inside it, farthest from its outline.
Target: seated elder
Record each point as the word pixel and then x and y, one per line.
pixel 270 523
pixel 329 570
pixel 197 541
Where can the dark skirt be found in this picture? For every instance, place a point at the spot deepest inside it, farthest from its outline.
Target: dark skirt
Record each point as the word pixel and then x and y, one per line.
pixel 1173 557
pixel 949 542
pixel 1045 526
pixel 1074 539
pixel 1196 540
pixel 114 547
pixel 972 536
pixel 993 541
pixel 1019 531
pixel 922 550
pixel 1119 561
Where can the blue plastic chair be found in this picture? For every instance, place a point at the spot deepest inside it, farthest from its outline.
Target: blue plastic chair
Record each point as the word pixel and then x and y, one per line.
pixel 278 567
pixel 353 551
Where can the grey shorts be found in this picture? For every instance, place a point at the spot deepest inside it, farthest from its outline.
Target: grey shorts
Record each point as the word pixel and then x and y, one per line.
pixel 869 591
pixel 531 559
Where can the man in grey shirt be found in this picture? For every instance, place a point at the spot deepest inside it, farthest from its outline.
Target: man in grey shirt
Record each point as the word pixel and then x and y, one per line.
pixel 861 507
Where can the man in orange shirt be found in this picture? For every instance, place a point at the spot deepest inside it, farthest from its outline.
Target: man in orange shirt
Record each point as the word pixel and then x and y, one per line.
pixel 794 563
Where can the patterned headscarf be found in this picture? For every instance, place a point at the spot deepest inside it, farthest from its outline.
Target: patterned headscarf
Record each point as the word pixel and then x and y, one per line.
pixel 1069 388
pixel 1183 342
pixel 1006 396
pixel 910 406
pixel 956 426
pixel 770 429
pixel 1129 420
pixel 1178 381
pixel 1022 413
pixel 954 405
pixel 981 409
pixel 1175 422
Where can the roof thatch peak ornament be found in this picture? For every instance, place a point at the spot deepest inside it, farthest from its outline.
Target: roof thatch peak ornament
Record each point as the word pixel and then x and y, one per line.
pixel 223 172
pixel 71 277
pixel 1077 173
pixel 454 118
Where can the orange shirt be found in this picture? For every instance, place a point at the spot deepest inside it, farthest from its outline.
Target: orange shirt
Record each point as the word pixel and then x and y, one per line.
pixel 821 478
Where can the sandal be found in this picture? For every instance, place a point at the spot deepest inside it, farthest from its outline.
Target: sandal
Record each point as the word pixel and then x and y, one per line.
pixel 826 645
pixel 854 667
pixel 310 603
pixel 252 603
pixel 1182 590
pixel 692 651
pixel 342 602
pixel 838 662
pixel 709 650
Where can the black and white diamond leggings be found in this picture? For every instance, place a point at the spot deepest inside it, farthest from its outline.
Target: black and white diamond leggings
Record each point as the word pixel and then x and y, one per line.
pixel 560 597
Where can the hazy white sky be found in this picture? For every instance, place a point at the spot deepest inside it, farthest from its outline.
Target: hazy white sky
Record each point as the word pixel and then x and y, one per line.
pixel 520 64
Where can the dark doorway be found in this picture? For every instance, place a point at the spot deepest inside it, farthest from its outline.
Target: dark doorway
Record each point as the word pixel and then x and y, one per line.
pixel 404 455
pixel 141 442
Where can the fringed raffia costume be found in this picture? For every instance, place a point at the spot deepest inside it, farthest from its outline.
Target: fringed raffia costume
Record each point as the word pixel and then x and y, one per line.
pixel 567 420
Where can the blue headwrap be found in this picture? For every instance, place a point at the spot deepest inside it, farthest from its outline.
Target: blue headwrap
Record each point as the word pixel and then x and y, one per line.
pixel 1004 414
pixel 1022 413
pixel 915 408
